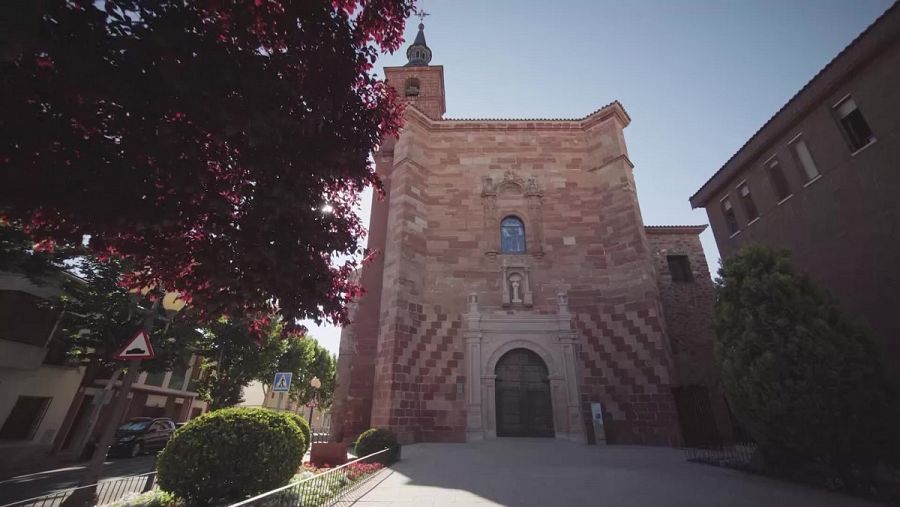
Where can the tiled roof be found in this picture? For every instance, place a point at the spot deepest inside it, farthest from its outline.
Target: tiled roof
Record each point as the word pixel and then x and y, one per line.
pixel 795 96
pixel 546 119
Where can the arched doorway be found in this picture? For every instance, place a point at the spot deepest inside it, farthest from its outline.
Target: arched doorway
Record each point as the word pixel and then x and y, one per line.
pixel 523 396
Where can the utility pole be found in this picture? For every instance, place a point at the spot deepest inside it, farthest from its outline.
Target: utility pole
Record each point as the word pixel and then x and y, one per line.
pixel 87 496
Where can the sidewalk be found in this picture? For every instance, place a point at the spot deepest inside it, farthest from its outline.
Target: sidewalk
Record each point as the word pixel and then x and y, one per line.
pixel 547 472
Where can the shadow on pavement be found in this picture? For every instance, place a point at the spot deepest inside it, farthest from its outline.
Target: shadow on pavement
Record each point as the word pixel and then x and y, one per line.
pixel 548 472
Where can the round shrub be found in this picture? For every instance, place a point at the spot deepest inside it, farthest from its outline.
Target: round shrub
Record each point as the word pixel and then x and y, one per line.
pixel 230 454
pixel 304 427
pixel 376 439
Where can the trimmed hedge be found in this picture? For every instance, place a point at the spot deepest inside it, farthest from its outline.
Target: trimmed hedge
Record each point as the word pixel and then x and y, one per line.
pixel 231 454
pixel 304 427
pixel 376 439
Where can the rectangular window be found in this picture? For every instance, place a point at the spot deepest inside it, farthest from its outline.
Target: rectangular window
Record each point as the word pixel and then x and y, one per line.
pixel 779 182
pixel 730 218
pixel 25 417
pixel 176 381
pixel 747 199
pixel 155 378
pixel 804 159
pixel 855 127
pixel 680 268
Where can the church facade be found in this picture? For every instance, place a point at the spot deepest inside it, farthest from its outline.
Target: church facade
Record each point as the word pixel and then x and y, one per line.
pixel 517 291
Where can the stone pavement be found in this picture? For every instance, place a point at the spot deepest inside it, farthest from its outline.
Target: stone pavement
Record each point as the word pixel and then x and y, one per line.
pixel 548 472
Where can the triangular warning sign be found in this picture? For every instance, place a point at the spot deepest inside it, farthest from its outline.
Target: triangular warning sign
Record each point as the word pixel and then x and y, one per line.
pixel 138 347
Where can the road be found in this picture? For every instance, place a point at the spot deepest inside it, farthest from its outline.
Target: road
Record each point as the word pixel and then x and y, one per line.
pixel 39 483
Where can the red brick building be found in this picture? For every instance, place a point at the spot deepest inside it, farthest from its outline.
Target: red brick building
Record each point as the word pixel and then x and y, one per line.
pixel 820 179
pixel 517 284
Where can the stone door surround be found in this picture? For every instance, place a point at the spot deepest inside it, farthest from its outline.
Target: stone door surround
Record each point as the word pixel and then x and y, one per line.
pixel 489 335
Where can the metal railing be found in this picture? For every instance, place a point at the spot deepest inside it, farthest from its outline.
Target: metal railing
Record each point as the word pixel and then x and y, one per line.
pixel 737 455
pixel 319 490
pixel 320 437
pixel 108 491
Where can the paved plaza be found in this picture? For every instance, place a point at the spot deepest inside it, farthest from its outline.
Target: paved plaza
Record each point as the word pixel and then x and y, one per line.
pixel 547 472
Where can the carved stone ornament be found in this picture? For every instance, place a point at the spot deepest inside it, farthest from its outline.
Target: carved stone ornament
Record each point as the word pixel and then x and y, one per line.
pixel 511 179
pixel 487 186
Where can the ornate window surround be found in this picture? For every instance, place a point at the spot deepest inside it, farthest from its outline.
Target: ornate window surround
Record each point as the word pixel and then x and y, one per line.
pixel 515 196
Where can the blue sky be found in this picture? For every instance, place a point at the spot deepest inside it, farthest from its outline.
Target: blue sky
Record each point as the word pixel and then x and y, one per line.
pixel 698 78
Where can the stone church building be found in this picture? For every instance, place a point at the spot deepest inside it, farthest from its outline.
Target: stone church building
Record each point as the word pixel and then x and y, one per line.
pixel 517 291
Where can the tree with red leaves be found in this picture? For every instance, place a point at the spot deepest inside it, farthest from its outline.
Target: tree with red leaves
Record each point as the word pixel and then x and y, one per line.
pixel 218 145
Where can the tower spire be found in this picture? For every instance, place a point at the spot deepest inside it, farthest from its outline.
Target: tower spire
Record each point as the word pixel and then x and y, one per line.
pixel 419 54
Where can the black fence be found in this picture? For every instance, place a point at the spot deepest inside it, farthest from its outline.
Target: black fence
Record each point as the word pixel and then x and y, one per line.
pixel 107 492
pixel 736 455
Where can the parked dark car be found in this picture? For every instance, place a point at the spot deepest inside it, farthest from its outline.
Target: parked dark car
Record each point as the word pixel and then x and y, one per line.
pixel 140 435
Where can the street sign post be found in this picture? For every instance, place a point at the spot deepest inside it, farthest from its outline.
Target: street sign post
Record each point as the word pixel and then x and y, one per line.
pixel 281 385
pixel 138 347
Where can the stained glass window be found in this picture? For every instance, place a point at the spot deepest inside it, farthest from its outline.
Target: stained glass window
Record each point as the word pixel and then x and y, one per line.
pixel 512 235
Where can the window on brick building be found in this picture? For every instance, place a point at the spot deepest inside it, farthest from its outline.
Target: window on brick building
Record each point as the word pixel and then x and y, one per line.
pixel 779 182
pixel 747 200
pixel 412 87
pixel 680 268
pixel 856 128
pixel 730 218
pixel 512 235
pixel 804 159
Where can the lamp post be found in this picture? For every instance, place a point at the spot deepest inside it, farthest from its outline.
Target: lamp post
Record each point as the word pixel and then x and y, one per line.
pixel 316 384
pixel 172 304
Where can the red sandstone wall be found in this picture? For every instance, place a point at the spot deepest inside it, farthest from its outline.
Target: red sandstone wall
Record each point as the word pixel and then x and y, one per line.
pixel 592 244
pixel 430 99
pixel 688 307
pixel 688 310
pixel 352 409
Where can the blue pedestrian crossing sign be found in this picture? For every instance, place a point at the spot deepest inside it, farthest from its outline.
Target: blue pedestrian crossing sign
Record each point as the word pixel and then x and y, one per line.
pixel 282 382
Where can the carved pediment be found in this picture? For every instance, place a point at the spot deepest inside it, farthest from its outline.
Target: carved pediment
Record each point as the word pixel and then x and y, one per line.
pixel 511 182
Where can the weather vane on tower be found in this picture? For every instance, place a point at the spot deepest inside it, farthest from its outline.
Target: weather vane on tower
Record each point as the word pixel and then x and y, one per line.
pixel 421 14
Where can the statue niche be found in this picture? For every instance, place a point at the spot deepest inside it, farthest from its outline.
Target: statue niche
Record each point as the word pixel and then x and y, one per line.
pixel 516 283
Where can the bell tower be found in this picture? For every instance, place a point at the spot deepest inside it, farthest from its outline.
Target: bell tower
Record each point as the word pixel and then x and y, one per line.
pixel 417 82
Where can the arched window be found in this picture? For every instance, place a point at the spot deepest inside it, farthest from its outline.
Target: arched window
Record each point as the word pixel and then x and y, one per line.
pixel 512 235
pixel 412 87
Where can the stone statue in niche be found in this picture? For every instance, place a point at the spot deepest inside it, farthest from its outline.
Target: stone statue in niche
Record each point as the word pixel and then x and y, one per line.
pixel 515 288
pixel 516 283
pixel 531 186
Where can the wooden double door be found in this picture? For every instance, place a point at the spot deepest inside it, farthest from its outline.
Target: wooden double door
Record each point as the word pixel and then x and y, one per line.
pixel 523 401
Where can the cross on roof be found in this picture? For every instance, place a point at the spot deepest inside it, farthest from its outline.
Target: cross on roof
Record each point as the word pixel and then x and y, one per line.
pixel 421 14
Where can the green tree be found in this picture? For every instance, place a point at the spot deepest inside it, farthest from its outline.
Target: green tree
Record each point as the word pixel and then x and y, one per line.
pixel 307 359
pixel 801 377
pixel 234 356
pixel 100 315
